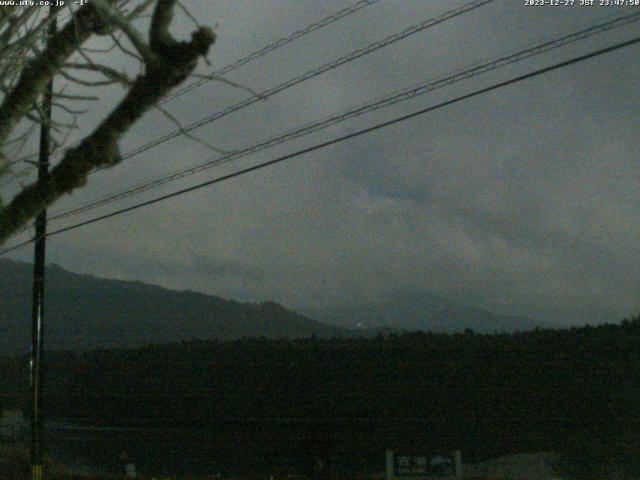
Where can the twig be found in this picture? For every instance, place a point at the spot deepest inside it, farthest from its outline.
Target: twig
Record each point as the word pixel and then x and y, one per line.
pixel 187 134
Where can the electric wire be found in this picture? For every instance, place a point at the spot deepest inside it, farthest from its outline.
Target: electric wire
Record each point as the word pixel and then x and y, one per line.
pixel 324 22
pixel 309 128
pixel 271 47
pixel 356 54
pixel 337 140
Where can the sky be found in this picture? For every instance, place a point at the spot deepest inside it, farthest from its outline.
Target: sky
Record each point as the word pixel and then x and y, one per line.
pixel 523 201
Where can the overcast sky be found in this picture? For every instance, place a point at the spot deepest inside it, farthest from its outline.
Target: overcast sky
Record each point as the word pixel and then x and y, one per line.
pixel 523 201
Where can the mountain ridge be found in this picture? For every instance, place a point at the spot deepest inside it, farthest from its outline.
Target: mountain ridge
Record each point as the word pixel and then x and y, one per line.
pixel 425 311
pixel 85 312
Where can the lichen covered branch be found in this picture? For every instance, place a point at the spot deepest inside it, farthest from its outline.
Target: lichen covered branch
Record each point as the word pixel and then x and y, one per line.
pixel 170 64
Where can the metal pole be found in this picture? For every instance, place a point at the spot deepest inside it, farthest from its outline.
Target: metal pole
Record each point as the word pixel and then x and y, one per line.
pixel 457 455
pixel 37 316
pixel 389 462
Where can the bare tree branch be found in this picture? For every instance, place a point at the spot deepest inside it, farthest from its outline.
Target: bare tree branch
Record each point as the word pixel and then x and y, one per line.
pixel 168 65
pixel 195 138
pixel 110 73
pixel 39 71
pixel 114 17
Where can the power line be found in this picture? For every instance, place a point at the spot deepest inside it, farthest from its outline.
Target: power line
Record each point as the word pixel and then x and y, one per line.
pixel 338 139
pixel 273 46
pixel 297 80
pixel 406 94
pixel 356 54
pixel 326 21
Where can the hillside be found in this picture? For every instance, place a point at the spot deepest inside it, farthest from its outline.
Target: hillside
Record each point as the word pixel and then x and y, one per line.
pixel 569 391
pixel 85 312
pixel 426 312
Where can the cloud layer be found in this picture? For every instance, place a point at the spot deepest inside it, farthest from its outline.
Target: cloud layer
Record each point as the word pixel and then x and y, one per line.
pixel 523 200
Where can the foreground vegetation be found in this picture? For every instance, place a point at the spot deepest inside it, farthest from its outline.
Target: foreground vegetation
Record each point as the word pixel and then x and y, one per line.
pixel 572 391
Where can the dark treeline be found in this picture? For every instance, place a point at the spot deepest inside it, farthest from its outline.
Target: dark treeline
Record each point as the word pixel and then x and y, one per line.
pixel 573 391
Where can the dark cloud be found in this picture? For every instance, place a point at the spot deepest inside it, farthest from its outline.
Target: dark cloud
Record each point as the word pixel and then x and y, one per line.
pixel 523 200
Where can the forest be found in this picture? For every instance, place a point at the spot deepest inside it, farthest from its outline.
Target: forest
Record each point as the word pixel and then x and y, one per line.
pixel 572 391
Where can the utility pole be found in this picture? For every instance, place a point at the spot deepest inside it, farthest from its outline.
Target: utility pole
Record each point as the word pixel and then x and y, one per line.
pixel 37 312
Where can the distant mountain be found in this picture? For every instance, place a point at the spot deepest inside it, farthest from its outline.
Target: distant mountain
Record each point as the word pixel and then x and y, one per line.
pixel 423 311
pixel 84 312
